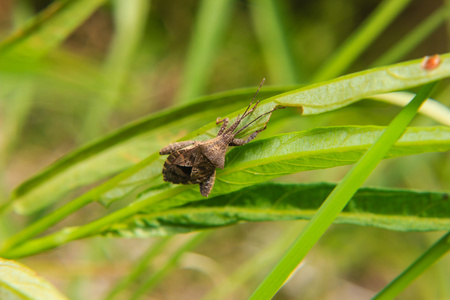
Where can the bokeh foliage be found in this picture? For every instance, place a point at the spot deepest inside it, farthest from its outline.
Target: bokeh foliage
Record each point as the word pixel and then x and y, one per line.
pixel 75 73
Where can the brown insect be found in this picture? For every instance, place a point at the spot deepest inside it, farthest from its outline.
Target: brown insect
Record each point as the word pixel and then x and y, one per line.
pixel 430 62
pixel 195 162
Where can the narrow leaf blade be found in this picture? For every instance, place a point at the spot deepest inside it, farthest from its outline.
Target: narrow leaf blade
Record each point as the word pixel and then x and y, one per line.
pixel 394 209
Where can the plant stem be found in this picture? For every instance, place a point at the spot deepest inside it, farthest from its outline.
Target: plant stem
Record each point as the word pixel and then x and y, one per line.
pixel 338 198
pixel 413 271
pixel 69 234
pixel 62 212
pixel 45 223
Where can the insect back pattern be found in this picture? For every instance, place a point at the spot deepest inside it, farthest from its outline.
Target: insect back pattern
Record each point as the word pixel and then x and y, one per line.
pixel 195 162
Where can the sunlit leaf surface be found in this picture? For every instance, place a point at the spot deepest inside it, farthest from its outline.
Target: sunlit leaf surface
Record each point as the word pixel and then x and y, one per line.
pixel 17 282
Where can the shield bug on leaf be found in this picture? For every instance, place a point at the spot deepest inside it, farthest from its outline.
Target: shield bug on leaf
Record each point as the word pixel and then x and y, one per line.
pixel 195 162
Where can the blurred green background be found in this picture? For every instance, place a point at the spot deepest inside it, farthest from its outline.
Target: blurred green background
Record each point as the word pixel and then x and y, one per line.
pixel 133 58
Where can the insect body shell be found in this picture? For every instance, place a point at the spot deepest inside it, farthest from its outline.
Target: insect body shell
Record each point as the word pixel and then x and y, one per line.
pixel 187 166
pixel 196 164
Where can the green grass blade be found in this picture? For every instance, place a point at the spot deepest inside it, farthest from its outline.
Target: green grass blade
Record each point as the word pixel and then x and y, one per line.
pixel 431 256
pixel 253 266
pixel 431 108
pixel 16 111
pixel 46 31
pixel 413 38
pixel 268 26
pixel 213 16
pixel 133 143
pixel 17 100
pixel 337 200
pixel 140 267
pixel 15 103
pixel 30 41
pixel 72 233
pixel 394 209
pixel 170 265
pixel 130 19
pixel 383 15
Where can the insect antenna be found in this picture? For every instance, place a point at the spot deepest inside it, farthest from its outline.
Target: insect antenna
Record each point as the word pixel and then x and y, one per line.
pixel 257 118
pixel 246 112
pixel 254 97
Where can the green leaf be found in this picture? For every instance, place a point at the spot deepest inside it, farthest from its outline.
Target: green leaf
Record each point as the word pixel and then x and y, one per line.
pixel 137 141
pixel 395 209
pixel 17 282
pixel 320 148
pixel 45 31
pixel 284 154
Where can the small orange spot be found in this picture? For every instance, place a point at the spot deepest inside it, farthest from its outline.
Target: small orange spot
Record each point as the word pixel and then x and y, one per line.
pixel 430 62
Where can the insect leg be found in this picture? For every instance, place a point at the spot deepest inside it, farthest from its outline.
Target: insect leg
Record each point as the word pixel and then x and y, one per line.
pixel 240 142
pixel 224 125
pixel 175 146
pixel 206 187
